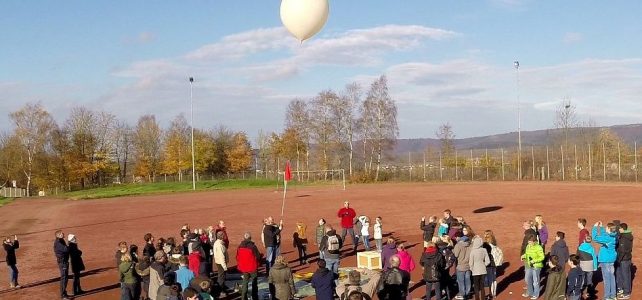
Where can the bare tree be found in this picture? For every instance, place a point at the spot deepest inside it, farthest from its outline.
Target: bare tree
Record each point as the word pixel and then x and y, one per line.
pixel 297 117
pixel 124 142
pixel 566 119
pixel 380 114
pixel 33 127
pixel 345 110
pixel 323 125
pixel 446 135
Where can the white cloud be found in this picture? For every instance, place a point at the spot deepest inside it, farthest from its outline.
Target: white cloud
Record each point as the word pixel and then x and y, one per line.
pixel 572 38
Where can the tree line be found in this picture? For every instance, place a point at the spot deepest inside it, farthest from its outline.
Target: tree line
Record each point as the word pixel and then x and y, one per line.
pixel 95 148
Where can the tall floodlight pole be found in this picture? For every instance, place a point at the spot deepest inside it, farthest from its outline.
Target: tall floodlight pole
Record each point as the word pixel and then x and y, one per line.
pixel 519 127
pixel 191 108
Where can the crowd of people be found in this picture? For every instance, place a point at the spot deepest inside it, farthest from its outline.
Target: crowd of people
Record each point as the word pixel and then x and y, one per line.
pixel 456 262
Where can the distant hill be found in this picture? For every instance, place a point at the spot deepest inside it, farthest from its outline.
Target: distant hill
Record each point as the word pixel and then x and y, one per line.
pixel 628 133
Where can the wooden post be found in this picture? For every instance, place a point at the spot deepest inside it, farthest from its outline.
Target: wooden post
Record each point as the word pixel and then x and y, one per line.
pixel 576 170
pixel 590 163
pixel 503 177
pixel 441 171
pixel 487 163
pixel 548 165
pixel 635 155
pixel 456 167
pixel 619 163
pixel 472 166
pixel 409 167
pixel 604 160
pixel 424 165
pixel 562 151
pixel 533 159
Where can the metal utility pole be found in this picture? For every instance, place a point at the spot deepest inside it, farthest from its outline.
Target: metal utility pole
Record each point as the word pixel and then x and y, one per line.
pixel 191 108
pixel 519 127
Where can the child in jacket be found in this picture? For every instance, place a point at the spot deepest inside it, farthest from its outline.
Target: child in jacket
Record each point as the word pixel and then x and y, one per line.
pixel 378 234
pixel 575 279
pixel 556 282
pixel 533 259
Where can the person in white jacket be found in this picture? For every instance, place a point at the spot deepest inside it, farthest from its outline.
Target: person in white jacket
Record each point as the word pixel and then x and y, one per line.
pixel 221 259
pixel 378 234
pixel 365 231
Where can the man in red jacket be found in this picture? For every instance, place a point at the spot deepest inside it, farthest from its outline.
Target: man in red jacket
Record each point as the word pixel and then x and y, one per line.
pixel 347 215
pixel 248 259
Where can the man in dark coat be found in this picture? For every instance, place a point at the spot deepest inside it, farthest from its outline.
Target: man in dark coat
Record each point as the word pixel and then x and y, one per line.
pixel 62 258
pixel 77 264
pixel 149 249
pixel 323 282
pixel 10 247
pixel 394 282
pixel 272 242
pixel 623 262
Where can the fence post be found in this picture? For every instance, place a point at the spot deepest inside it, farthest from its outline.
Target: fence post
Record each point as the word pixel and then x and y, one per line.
pixel 441 171
pixel 503 177
pixel 576 171
pixel 456 167
pixel 487 163
pixel 424 165
pixel 604 160
pixel 635 154
pixel 590 163
pixel 548 165
pixel 533 159
pixel 409 167
pixel 472 166
pixel 562 151
pixel 619 163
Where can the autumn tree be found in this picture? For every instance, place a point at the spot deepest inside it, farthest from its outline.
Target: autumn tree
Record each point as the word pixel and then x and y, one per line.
pixel 177 148
pixel 148 147
pixel 379 115
pixel 239 154
pixel 206 152
pixel 33 125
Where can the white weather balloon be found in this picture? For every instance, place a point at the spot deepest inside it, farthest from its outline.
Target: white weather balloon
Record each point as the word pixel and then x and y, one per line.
pixel 304 18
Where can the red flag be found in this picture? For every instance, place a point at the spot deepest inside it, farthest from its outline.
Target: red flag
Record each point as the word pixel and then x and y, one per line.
pixel 287 176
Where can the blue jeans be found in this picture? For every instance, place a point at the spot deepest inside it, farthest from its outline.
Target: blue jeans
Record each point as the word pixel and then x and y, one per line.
pixel 429 287
pixel 623 276
pixel 270 255
pixel 366 242
pixel 379 243
pixel 64 274
pixel 608 276
pixel 577 297
pixel 332 264
pixel 532 281
pixel 463 281
pixel 13 274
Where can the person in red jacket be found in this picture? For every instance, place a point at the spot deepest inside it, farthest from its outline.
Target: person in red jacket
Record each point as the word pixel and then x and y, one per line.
pixel 347 215
pixel 248 260
pixel 194 257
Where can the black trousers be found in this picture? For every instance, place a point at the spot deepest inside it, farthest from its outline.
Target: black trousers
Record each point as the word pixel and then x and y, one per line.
pixel 478 286
pixel 76 283
pixel 220 274
pixel 64 277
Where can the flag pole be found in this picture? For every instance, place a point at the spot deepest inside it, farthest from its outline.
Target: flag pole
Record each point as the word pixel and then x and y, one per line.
pixel 285 190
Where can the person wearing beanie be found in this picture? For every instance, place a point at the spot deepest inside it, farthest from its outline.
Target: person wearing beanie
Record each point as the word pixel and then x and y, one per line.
pixel 77 264
pixel 10 248
pixel 478 261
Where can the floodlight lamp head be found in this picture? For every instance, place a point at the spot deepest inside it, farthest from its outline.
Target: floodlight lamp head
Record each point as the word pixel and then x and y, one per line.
pixel 191 79
pixel 516 64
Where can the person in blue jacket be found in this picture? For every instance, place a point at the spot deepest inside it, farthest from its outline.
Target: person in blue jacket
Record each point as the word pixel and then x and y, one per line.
pixel 323 282
pixel 606 238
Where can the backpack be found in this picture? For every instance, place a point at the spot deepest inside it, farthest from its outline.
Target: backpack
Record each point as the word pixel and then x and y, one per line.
pixel 497 254
pixel 333 243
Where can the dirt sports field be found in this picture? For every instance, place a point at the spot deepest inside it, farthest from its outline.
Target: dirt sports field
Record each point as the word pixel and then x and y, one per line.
pixel 101 224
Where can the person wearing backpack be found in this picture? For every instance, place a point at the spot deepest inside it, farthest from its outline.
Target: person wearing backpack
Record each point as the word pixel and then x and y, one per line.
pixel 433 264
pixel 496 256
pixel 331 246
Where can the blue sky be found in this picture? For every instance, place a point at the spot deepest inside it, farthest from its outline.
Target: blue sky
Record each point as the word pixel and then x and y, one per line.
pixel 447 61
